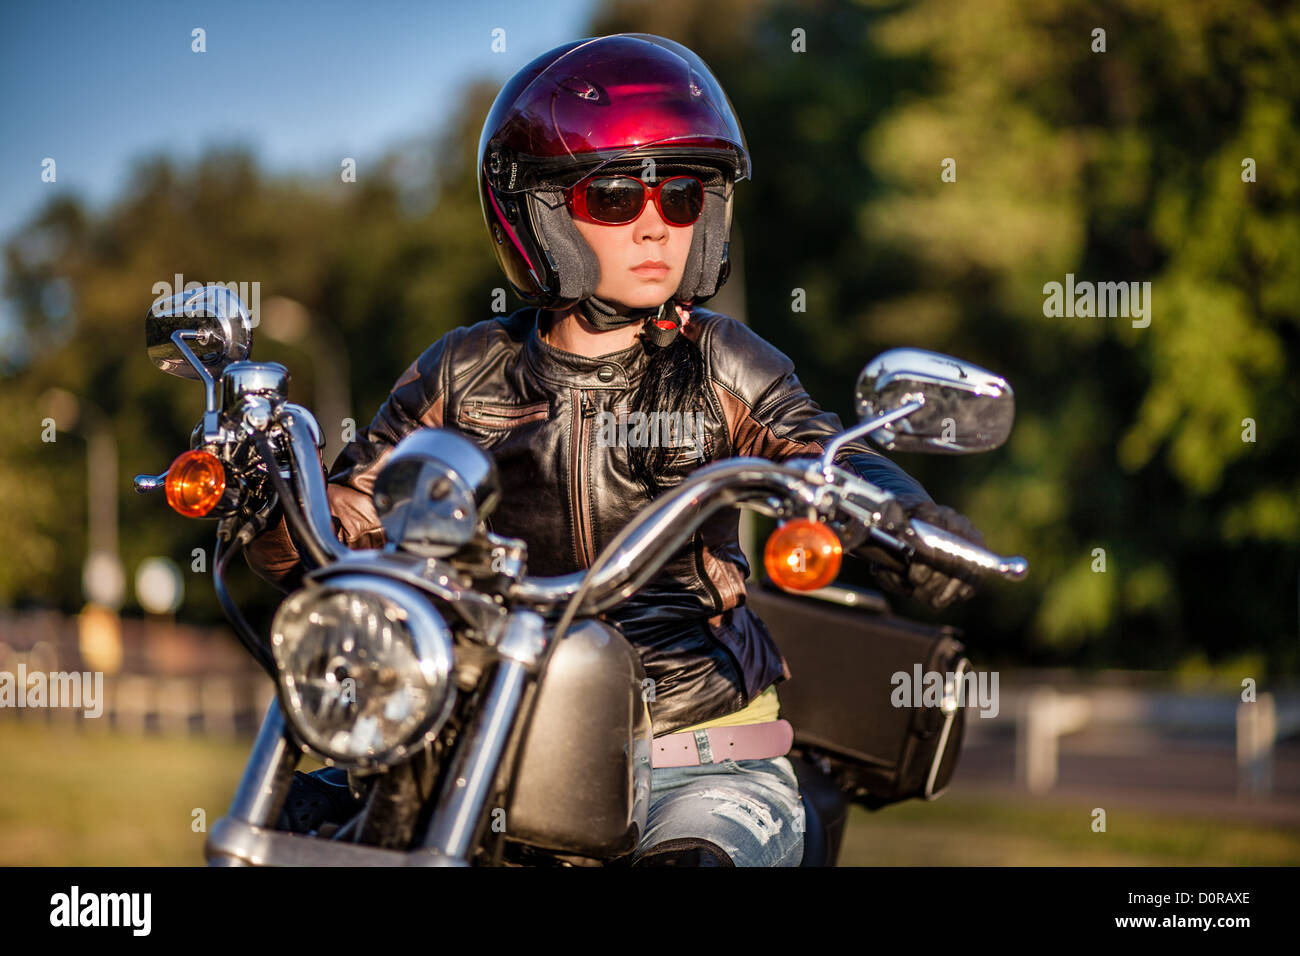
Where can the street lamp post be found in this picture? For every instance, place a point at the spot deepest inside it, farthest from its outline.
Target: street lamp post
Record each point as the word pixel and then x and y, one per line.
pixel 103 580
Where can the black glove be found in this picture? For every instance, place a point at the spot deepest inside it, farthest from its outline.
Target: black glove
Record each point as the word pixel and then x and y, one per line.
pixel 937 583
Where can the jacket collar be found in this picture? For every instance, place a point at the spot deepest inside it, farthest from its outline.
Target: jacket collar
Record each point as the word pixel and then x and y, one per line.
pixel 617 370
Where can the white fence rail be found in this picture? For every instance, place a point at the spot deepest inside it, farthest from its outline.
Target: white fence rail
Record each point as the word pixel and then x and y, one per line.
pixel 220 705
pixel 1044 714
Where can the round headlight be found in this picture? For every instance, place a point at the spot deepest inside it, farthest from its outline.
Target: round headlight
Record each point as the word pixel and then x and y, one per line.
pixel 365 669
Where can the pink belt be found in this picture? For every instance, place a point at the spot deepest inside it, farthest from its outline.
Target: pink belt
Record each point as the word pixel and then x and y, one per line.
pixel 715 744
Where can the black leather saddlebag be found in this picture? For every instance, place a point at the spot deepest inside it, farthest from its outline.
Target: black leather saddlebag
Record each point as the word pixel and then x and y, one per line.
pixel 882 737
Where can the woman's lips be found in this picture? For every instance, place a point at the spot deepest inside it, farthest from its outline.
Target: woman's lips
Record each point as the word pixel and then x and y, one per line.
pixel 651 272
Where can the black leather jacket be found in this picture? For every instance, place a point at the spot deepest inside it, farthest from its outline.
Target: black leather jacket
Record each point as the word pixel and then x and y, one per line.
pixel 536 408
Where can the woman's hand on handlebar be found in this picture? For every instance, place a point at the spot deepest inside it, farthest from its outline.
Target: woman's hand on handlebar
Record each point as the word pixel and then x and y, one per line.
pixel 931 579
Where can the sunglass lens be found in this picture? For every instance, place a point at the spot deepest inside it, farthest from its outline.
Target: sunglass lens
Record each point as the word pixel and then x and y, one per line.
pixel 615 199
pixel 681 200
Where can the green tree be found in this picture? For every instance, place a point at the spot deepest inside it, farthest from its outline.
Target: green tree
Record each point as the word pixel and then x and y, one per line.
pixel 1122 165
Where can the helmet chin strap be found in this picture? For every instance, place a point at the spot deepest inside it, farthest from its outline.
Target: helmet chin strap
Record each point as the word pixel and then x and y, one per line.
pixel 662 323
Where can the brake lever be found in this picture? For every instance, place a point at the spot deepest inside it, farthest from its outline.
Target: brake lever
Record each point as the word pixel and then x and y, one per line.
pixel 891 545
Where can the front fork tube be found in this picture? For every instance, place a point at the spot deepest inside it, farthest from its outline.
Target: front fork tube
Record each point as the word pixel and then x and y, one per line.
pixel 453 830
pixel 267 776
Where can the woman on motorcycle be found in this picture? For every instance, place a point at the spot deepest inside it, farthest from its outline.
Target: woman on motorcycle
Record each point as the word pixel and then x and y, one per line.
pixel 606 170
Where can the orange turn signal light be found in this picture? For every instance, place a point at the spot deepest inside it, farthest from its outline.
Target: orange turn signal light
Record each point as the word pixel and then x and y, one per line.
pixel 803 555
pixel 195 483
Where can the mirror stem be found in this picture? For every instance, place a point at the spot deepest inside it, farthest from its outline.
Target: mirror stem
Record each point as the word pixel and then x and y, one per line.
pixel 211 427
pixel 866 428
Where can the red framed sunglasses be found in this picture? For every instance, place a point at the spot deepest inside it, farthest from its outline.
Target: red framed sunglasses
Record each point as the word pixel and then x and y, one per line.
pixel 616 200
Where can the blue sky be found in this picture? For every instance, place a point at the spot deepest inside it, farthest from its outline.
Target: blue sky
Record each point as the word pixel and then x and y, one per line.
pixel 97 85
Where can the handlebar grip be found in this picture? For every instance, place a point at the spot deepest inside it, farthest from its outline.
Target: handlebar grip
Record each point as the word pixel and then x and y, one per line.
pixel 955 548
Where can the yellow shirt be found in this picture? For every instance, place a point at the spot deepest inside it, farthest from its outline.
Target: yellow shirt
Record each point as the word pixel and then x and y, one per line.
pixel 760 710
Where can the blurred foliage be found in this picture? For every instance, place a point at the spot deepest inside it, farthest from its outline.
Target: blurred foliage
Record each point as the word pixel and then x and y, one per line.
pixel 388 263
pixel 1123 165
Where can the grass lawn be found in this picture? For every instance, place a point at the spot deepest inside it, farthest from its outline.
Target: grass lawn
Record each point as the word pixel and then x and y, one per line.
pixel 96 798
pixel 975 831
pixel 91 798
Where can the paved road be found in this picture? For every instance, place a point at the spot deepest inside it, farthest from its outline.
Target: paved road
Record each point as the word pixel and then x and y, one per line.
pixel 1194 777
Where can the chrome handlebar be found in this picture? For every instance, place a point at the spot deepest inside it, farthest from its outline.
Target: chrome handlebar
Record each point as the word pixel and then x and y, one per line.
pixel 801 485
pixel 796 487
pixel 302 431
pixel 655 534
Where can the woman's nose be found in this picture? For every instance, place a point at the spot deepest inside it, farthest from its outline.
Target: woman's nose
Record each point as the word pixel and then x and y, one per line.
pixel 651 225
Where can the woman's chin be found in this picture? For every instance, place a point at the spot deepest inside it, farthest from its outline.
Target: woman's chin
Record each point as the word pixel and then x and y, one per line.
pixel 650 297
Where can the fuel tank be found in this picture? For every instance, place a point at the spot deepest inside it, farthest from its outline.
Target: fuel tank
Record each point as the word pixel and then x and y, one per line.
pixel 583 774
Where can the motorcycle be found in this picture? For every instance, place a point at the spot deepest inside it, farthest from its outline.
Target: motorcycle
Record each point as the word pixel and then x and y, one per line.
pixel 478 715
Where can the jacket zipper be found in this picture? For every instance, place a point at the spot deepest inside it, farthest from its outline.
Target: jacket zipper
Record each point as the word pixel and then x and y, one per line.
pixel 583 411
pixel 504 414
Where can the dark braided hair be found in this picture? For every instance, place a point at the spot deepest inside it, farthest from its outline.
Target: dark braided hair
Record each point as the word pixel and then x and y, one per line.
pixel 673 382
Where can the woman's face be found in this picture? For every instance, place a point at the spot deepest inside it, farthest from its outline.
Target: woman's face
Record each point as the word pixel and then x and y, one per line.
pixel 622 249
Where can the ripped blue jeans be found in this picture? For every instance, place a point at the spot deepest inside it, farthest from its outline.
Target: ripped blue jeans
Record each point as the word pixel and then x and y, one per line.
pixel 749 808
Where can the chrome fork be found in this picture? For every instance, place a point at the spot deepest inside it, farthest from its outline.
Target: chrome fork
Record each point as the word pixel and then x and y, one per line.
pixel 265 783
pixel 453 831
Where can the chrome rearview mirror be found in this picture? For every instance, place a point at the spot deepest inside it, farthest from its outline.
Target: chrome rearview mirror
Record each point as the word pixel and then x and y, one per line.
pixel 964 408
pixel 196 334
pixel 914 400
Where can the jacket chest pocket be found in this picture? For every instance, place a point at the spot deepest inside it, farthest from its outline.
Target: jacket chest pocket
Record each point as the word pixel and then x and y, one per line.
pixel 680 461
pixel 500 416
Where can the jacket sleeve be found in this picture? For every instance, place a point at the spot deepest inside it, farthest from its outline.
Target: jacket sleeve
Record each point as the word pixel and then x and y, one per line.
pixel 770 414
pixel 416 400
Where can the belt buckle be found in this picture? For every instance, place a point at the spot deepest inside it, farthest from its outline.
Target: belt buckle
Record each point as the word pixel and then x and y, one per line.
pixel 703 749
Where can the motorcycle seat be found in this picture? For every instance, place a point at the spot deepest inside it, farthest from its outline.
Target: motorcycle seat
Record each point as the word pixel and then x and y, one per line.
pixel 825 809
pixel 814 834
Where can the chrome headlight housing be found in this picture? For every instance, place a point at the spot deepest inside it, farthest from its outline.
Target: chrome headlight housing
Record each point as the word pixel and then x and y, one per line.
pixel 365 669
